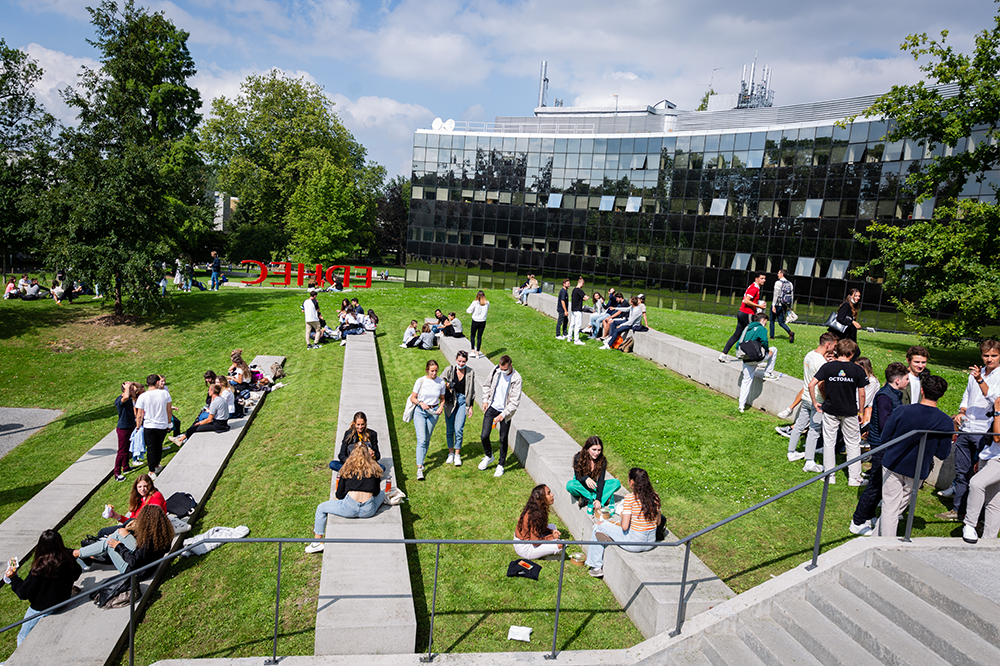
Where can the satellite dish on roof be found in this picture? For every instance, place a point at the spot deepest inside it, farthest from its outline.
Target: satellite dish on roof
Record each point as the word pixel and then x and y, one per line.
pixel 449 125
pixel 436 125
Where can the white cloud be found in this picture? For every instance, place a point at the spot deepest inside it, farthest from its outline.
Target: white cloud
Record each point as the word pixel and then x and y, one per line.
pixel 384 127
pixel 474 112
pixel 60 71
pixel 71 8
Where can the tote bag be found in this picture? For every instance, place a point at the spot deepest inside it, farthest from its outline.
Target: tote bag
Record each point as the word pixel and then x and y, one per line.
pixel 408 410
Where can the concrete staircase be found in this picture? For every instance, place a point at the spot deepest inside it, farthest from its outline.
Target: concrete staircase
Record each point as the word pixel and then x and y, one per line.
pixel 900 605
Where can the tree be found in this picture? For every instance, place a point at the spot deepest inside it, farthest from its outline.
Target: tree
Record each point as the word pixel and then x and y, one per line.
pixel 267 142
pixel 25 141
pixel 703 105
pixel 949 263
pixel 326 217
pixel 394 218
pixel 129 179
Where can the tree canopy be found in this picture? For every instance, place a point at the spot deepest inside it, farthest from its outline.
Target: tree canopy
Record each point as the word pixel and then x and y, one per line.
pixel 947 264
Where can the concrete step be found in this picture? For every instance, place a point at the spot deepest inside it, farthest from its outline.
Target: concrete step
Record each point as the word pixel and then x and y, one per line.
pixel 942 634
pixel 956 600
pixel 690 656
pixel 819 635
pixel 869 628
pixel 725 649
pixel 772 644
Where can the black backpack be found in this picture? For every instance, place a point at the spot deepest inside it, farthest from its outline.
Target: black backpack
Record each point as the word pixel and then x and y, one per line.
pixel 181 504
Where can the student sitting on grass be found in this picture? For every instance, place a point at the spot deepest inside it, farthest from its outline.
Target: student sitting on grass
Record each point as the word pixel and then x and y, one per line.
pixel 216 421
pixel 411 332
pixel 534 525
pixel 589 480
pixel 359 493
pixel 640 517
pixel 144 540
pixel 50 581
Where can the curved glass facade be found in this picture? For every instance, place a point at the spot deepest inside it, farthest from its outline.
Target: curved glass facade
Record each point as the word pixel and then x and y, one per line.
pixel 683 216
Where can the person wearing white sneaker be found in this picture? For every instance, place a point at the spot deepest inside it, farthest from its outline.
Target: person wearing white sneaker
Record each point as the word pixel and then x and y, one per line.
pixel 843 383
pixel 640 516
pixel 459 399
pixel 984 489
pixel 501 397
pixel 748 307
pixel 562 312
pixel 359 493
pixel 809 420
pixel 899 463
pixel 428 396
pixel 756 331
pixel 576 311
pixel 479 309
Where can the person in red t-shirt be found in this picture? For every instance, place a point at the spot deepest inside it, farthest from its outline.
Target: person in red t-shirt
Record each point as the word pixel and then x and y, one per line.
pixel 749 306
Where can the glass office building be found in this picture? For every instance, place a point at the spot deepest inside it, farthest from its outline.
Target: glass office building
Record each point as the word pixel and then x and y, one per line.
pixel 682 206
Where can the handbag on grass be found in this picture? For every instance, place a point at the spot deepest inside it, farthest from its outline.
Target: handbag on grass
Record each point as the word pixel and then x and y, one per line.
pixel 832 322
pixel 524 569
pixel 791 317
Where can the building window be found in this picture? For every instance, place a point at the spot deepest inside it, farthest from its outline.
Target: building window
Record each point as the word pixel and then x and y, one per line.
pixel 607 202
pixel 718 207
pixel 838 269
pixel 638 161
pixel 633 204
pixel 804 266
pixel 924 210
pixel 555 200
pixel 741 261
pixel 812 208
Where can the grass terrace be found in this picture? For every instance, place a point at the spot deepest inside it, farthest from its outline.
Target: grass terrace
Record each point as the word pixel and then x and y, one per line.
pixel 705 459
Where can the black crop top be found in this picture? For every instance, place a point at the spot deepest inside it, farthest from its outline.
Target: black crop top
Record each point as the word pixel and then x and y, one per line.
pixel 369 484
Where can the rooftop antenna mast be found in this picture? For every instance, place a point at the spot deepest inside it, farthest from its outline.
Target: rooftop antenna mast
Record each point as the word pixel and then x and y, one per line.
pixel 543 84
pixel 755 95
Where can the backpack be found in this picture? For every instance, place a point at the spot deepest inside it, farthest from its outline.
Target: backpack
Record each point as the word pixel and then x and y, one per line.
pixel 277 372
pixel 626 347
pixel 785 297
pixel 181 504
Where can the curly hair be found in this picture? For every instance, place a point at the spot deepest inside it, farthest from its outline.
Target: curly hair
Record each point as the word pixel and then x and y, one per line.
pixel 152 530
pixel 582 466
pixel 361 465
pixel 134 498
pixel 534 520
pixel 643 490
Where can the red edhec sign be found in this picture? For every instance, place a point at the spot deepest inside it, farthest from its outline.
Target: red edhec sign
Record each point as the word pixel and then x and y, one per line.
pixel 319 274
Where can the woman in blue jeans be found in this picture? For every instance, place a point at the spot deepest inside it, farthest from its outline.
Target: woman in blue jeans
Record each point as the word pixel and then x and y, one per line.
pixel 461 380
pixel 428 396
pixel 50 581
pixel 639 518
pixel 359 493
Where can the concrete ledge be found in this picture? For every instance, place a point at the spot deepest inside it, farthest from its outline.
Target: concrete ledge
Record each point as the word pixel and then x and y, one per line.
pixel 647 585
pixel 88 635
pixel 365 598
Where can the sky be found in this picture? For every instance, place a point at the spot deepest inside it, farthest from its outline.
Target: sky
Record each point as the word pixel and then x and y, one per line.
pixel 392 66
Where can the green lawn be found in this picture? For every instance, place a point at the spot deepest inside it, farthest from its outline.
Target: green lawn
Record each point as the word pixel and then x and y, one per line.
pixel 705 459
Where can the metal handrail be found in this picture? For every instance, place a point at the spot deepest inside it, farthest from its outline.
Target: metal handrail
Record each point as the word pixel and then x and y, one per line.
pixel 686 542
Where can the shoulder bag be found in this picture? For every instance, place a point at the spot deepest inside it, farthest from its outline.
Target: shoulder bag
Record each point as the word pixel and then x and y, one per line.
pixel 408 410
pixel 834 323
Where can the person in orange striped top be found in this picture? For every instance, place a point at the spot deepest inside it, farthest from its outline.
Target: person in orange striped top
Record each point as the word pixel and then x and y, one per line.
pixel 640 516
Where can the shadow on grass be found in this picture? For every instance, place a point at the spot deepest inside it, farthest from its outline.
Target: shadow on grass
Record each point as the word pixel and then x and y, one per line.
pixel 824 547
pixel 102 413
pixel 485 615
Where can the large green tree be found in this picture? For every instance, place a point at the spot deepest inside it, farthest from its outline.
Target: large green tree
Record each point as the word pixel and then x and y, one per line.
pixel 265 144
pixel 326 217
pixel 393 218
pixel 949 263
pixel 25 138
pixel 129 181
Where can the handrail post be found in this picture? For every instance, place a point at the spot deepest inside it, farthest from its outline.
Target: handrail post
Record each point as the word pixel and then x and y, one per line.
pixel 555 629
pixel 680 599
pixel 917 482
pixel 131 620
pixel 277 602
pixel 430 636
pixel 819 523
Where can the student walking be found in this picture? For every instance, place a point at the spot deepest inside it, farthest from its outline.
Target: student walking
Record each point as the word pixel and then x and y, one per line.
pixel 562 312
pixel 313 329
pixel 781 303
pixel 843 383
pixel 479 308
pixel 576 311
pixel 502 395
pixel 428 396
pixel 459 400
pixel 748 307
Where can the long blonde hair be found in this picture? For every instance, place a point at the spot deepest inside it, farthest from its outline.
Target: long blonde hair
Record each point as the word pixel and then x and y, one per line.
pixel 361 465
pixel 481 297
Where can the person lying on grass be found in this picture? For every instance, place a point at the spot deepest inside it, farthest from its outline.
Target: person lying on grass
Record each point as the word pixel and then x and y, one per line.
pixel 359 493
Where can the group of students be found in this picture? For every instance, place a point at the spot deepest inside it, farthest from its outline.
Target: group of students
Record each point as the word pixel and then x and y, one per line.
pixel 449 325
pixel 639 519
pixel 30 290
pixel 351 317
pixel 140 537
pixel 609 319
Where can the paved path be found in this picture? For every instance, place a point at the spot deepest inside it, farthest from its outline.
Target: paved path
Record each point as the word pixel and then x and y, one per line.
pixel 17 425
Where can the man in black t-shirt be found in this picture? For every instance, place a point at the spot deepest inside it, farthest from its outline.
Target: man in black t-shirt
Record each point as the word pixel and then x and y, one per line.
pixel 562 312
pixel 843 383
pixel 576 311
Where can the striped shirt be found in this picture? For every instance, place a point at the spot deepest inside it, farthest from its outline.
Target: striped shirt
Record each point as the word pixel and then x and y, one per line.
pixel 638 522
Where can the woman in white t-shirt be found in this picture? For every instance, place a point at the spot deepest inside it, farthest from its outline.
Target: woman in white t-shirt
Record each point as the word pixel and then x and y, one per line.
pixel 428 396
pixel 479 308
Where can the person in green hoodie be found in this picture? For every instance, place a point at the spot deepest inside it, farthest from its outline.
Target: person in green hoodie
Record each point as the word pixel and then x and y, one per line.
pixel 757 330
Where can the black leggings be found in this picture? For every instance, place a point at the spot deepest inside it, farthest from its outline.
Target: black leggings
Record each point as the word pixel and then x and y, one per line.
pixel 742 321
pixel 476 334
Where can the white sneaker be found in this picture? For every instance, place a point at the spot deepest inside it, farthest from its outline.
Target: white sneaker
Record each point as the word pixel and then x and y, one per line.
pixel 947 492
pixel 560 337
pixel 450 460
pixel 969 534
pixel 499 471
pixel 152 475
pixel 420 473
pixel 458 459
pixel 864 529
pixel 785 413
pixel 579 342
pixel 723 358
pixel 343 342
pixel 813 467
pixel 771 376
pixel 315 547
pixel 604 346
pixel 795 455
pixel 857 484
pixel 486 462
pixel 403 346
